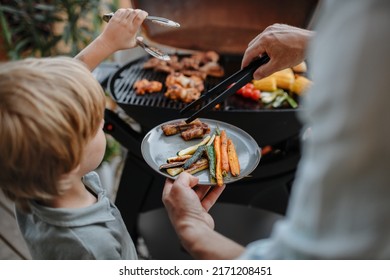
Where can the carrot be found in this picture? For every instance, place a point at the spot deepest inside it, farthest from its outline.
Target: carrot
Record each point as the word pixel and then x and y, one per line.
pixel 224 154
pixel 218 170
pixel 233 159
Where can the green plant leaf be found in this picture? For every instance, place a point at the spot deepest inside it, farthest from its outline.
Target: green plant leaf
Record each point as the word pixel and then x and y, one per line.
pixel 27 26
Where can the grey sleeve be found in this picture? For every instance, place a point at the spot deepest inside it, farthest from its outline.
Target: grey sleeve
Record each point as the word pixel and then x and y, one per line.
pixel 339 206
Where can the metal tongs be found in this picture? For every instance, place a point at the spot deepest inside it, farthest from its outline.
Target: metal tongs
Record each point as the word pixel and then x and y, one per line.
pixel 151 50
pixel 228 87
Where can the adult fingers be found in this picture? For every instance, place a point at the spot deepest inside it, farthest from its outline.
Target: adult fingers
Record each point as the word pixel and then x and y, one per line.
pixel 184 180
pixel 256 49
pixel 212 196
pixel 265 70
pixel 201 191
pixel 167 188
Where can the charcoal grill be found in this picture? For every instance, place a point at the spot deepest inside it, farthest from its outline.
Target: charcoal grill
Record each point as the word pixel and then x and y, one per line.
pixel 268 186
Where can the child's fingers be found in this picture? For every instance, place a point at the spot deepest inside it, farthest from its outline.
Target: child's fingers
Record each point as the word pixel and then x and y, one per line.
pixel 139 16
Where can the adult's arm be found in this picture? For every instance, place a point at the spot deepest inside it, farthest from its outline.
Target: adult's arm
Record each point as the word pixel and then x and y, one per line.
pixel 187 205
pixel 339 208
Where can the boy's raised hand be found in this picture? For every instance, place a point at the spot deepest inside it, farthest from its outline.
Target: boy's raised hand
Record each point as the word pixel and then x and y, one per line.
pixel 119 34
pixel 121 31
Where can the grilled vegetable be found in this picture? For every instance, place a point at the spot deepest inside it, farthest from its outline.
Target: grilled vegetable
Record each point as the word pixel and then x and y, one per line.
pixel 195 157
pixel 284 78
pixel 218 170
pixel 233 159
pixel 175 171
pixel 191 150
pixel 211 157
pixel 269 97
pixel 224 154
pixel 211 140
pixel 249 91
pixel 217 131
pixel 300 85
pixel 279 100
pixel 198 166
pixel 266 84
pixel 172 164
pixel 291 101
pixel 178 158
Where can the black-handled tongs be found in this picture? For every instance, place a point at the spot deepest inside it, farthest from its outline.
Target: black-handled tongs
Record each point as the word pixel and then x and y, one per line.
pixel 228 87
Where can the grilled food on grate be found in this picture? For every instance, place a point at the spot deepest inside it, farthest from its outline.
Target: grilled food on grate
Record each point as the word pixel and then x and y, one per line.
pixel 145 86
pixel 201 64
pixel 183 88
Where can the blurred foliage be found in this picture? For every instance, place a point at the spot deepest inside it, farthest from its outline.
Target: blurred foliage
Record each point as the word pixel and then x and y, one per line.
pixel 49 27
pixel 113 149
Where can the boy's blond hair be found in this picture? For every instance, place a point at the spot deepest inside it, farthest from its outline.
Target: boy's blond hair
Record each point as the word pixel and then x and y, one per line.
pixel 49 109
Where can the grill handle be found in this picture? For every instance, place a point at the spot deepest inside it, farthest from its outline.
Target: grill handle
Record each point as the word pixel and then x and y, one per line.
pixel 123 133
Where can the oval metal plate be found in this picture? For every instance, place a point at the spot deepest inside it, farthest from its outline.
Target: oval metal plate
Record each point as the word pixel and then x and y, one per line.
pixel 156 148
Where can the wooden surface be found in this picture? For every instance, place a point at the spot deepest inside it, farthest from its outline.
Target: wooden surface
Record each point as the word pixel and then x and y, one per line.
pixel 12 245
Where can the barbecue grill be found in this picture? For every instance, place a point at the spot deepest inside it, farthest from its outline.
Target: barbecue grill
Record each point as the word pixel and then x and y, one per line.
pixel 225 27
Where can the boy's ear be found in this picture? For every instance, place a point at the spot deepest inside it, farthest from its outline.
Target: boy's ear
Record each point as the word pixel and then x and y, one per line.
pixel 75 170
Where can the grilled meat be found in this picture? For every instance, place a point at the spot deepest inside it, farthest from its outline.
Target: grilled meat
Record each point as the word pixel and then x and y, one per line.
pixel 145 86
pixel 184 81
pixel 205 57
pixel 172 128
pixel 183 88
pixel 201 64
pixel 212 69
pixel 185 95
pixel 195 132
pixel 194 129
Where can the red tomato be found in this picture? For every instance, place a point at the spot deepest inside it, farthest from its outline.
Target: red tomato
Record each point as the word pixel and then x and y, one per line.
pixel 240 91
pixel 250 86
pixel 247 92
pixel 256 94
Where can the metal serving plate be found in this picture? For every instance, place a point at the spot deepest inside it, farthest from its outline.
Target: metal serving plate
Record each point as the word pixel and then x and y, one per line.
pixel 156 148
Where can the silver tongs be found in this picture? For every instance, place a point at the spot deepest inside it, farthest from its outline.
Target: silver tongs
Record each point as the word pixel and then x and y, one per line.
pixel 150 50
pixel 158 20
pixel 228 87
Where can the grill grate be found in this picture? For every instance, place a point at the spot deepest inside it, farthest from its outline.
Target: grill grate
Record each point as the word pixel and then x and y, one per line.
pixel 121 87
pixel 121 83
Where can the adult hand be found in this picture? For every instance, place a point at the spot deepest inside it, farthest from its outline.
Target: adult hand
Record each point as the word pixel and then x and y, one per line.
pixel 188 204
pixel 285 45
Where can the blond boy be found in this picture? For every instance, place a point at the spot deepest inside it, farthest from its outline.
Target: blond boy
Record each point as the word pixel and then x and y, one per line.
pixel 51 139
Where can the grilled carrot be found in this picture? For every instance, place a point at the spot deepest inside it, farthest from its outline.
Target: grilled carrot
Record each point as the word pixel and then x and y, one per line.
pixel 224 154
pixel 218 170
pixel 233 159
